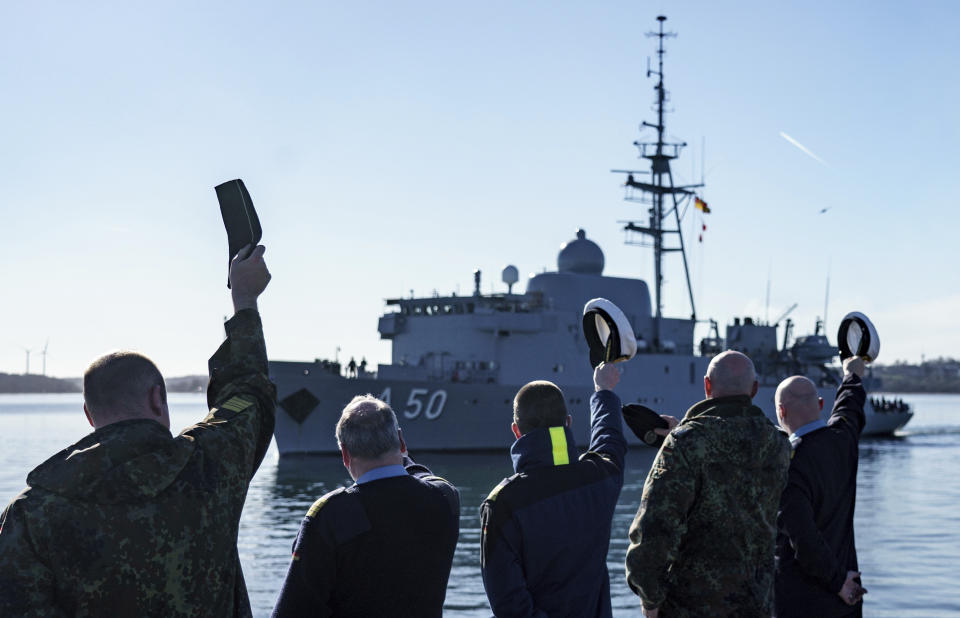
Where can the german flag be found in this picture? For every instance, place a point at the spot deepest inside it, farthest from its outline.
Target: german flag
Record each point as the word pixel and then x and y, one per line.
pixel 701 205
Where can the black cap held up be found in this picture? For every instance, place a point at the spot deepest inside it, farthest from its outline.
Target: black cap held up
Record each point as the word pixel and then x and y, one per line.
pixel 239 218
pixel 642 421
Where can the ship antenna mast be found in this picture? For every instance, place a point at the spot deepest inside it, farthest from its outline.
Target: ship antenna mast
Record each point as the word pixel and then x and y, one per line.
pixel 660 153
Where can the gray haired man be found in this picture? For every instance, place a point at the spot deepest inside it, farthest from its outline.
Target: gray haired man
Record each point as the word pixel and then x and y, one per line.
pixel 382 545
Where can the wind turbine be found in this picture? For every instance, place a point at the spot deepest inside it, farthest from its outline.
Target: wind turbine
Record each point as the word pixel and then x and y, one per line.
pixel 44 354
pixel 27 350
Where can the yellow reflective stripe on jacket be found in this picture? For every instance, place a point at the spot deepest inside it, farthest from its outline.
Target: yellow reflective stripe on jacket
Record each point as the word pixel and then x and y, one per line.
pixel 559 440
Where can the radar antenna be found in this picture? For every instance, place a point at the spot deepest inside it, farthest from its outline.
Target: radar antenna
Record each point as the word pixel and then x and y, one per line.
pixel 660 184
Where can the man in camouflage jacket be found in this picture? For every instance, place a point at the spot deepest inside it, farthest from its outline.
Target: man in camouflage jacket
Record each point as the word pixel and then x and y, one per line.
pixel 702 543
pixel 131 521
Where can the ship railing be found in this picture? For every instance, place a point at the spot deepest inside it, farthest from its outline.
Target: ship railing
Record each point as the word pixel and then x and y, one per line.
pixel 470 376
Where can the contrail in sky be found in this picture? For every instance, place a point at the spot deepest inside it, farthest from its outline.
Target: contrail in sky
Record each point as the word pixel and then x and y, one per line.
pixel 803 148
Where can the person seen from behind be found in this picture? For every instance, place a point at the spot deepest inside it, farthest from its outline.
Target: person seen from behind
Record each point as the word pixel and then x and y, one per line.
pixel 546 529
pixel 817 572
pixel 382 546
pixel 130 520
pixel 702 542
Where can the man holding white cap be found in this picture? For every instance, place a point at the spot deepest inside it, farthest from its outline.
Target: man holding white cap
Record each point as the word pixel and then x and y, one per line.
pixel 546 529
pixel 817 573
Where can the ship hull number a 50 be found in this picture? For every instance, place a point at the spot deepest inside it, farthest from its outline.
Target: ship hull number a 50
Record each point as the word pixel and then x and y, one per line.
pixel 420 401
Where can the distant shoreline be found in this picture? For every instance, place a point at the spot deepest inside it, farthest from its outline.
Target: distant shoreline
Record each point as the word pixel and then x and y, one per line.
pixel 941 376
pixel 31 384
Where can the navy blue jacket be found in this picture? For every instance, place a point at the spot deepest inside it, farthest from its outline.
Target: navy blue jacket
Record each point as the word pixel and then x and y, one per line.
pixel 383 548
pixel 546 529
pixel 815 546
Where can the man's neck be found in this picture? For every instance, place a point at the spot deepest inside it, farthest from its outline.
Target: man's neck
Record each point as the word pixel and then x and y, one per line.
pixel 359 467
pixel 106 421
pixel 794 427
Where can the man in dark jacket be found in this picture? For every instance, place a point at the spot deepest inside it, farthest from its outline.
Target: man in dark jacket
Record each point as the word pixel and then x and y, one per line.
pixel 131 521
pixel 702 542
pixel 546 529
pixel 382 546
pixel 816 554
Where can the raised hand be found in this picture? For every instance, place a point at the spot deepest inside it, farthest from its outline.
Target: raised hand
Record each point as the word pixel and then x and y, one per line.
pixel 605 377
pixel 248 277
pixel 854 365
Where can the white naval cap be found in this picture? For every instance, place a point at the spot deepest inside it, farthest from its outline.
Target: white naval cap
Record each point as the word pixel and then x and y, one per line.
pixel 608 332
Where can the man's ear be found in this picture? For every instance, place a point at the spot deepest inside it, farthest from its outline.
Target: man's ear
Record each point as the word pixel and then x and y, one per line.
pixel 346 457
pixel 158 405
pixel 86 413
pixel 569 420
pixel 403 445
pixel 157 400
pixel 516 430
pixel 706 387
pixel 821 402
pixel 753 391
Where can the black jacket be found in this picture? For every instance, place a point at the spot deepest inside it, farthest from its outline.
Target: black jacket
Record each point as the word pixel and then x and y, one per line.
pixel 815 545
pixel 383 548
pixel 546 529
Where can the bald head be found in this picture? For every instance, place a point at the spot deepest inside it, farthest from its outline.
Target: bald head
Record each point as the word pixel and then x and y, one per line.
pixel 797 402
pixel 730 373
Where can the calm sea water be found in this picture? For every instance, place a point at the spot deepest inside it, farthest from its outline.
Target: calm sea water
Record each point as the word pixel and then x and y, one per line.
pixel 907 519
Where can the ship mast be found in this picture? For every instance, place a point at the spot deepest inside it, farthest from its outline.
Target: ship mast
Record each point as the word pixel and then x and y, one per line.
pixel 660 153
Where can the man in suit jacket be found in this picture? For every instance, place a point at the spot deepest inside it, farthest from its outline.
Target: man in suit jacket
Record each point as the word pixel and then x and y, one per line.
pixel 816 555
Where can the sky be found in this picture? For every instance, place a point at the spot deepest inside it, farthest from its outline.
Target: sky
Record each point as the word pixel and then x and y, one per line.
pixel 392 147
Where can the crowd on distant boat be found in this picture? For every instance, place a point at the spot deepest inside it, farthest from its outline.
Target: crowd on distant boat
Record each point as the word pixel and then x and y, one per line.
pixel 882 404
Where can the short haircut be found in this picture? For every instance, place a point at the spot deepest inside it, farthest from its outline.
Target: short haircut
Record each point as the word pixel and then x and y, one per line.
pixel 368 428
pixel 118 382
pixel 731 373
pixel 539 404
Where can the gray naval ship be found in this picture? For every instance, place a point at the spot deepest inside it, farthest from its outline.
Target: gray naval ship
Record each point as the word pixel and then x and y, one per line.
pixel 457 361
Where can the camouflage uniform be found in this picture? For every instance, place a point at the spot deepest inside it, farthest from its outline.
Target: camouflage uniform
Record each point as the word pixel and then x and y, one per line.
pixel 131 521
pixel 702 543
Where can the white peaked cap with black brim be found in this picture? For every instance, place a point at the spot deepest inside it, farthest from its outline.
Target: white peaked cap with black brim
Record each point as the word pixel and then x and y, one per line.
pixel 608 333
pixel 858 337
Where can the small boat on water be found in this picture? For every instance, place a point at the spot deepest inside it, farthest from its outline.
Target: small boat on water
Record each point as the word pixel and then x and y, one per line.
pixel 457 361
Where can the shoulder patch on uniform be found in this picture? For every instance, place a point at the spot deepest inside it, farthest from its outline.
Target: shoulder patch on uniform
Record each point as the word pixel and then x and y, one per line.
pixel 236 404
pixel 685 424
pixel 436 478
pixel 496 490
pixel 681 430
pixel 315 508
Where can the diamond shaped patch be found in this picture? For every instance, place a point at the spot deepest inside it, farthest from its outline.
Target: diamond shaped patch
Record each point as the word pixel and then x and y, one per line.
pixel 299 405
